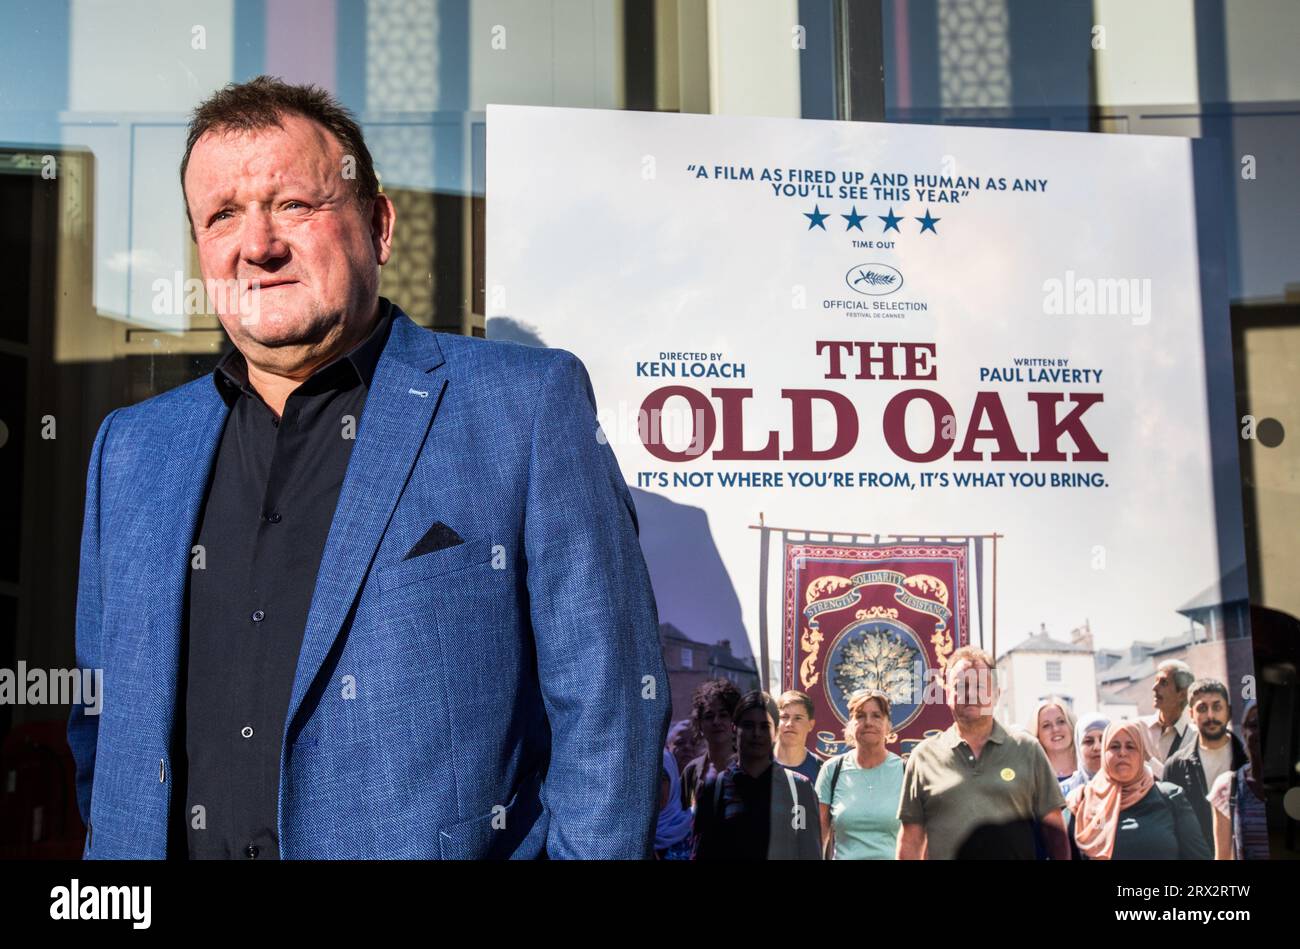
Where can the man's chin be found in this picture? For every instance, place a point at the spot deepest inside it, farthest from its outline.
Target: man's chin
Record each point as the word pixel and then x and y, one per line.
pixel 274 328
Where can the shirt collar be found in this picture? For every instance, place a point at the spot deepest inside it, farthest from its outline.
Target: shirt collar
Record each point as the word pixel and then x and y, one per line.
pixel 740 774
pixel 1180 726
pixel 231 372
pixel 952 737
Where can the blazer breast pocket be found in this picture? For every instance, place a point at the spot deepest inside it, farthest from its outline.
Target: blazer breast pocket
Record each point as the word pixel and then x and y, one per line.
pixel 470 553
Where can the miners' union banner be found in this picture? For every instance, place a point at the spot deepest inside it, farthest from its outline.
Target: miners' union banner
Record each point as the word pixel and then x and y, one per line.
pixel 872 616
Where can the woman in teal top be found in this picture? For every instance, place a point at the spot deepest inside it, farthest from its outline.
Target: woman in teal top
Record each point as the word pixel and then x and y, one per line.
pixel 860 789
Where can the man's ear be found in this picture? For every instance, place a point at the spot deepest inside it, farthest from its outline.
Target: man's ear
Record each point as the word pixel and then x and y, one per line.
pixel 383 217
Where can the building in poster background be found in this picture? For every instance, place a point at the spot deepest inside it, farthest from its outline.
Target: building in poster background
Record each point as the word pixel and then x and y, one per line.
pixel 924 335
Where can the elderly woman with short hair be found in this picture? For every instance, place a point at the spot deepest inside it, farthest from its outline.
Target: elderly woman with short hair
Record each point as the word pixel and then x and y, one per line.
pixel 860 789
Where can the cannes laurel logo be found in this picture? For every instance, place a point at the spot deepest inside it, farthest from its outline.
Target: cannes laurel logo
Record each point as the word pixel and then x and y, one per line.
pixel 875 280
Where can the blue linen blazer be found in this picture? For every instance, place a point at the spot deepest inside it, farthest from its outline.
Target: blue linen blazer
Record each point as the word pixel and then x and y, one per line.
pixel 503 697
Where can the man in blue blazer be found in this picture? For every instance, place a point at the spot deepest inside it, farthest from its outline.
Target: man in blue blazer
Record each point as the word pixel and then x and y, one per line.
pixel 365 591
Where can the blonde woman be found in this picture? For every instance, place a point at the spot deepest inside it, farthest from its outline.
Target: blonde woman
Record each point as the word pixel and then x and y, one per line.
pixel 1053 725
pixel 859 790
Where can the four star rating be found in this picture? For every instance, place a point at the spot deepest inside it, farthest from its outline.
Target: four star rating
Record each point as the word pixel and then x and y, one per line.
pixel 817 218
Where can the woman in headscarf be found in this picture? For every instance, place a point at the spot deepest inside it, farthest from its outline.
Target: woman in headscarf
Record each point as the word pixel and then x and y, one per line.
pixel 1088 732
pixel 685 743
pixel 1053 725
pixel 1124 813
pixel 673 832
pixel 1240 823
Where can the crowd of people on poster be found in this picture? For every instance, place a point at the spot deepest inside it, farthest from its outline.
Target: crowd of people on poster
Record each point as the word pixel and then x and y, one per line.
pixel 740 782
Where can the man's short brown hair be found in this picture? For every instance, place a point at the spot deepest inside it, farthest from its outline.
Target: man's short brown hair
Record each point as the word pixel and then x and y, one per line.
pixel 972 654
pixel 756 699
pixel 1210 685
pixel 792 696
pixel 261 103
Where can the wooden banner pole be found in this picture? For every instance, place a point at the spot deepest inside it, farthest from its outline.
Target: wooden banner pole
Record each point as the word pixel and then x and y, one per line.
pixel 764 546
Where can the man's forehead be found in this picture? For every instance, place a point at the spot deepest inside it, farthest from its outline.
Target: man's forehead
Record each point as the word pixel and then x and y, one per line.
pixel 297 146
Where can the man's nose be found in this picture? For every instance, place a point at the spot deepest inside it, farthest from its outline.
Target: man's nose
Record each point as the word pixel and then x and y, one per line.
pixel 259 241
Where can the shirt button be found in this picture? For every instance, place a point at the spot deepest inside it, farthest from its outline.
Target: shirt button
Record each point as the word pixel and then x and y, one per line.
pixel 247 731
pixel 251 851
pixel 258 616
pixel 274 517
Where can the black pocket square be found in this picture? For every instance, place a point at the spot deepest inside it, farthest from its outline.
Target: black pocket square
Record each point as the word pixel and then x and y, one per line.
pixel 437 537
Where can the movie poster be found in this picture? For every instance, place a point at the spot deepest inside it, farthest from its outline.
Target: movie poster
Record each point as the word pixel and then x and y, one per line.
pixel 878 390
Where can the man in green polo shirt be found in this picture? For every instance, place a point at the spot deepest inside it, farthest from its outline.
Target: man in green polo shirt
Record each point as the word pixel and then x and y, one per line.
pixel 976 790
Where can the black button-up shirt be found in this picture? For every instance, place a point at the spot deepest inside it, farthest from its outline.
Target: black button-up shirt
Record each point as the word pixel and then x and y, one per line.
pixel 262 531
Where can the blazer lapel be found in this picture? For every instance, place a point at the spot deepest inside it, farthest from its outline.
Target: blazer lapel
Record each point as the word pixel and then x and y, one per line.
pixel 400 406
pixel 184 480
